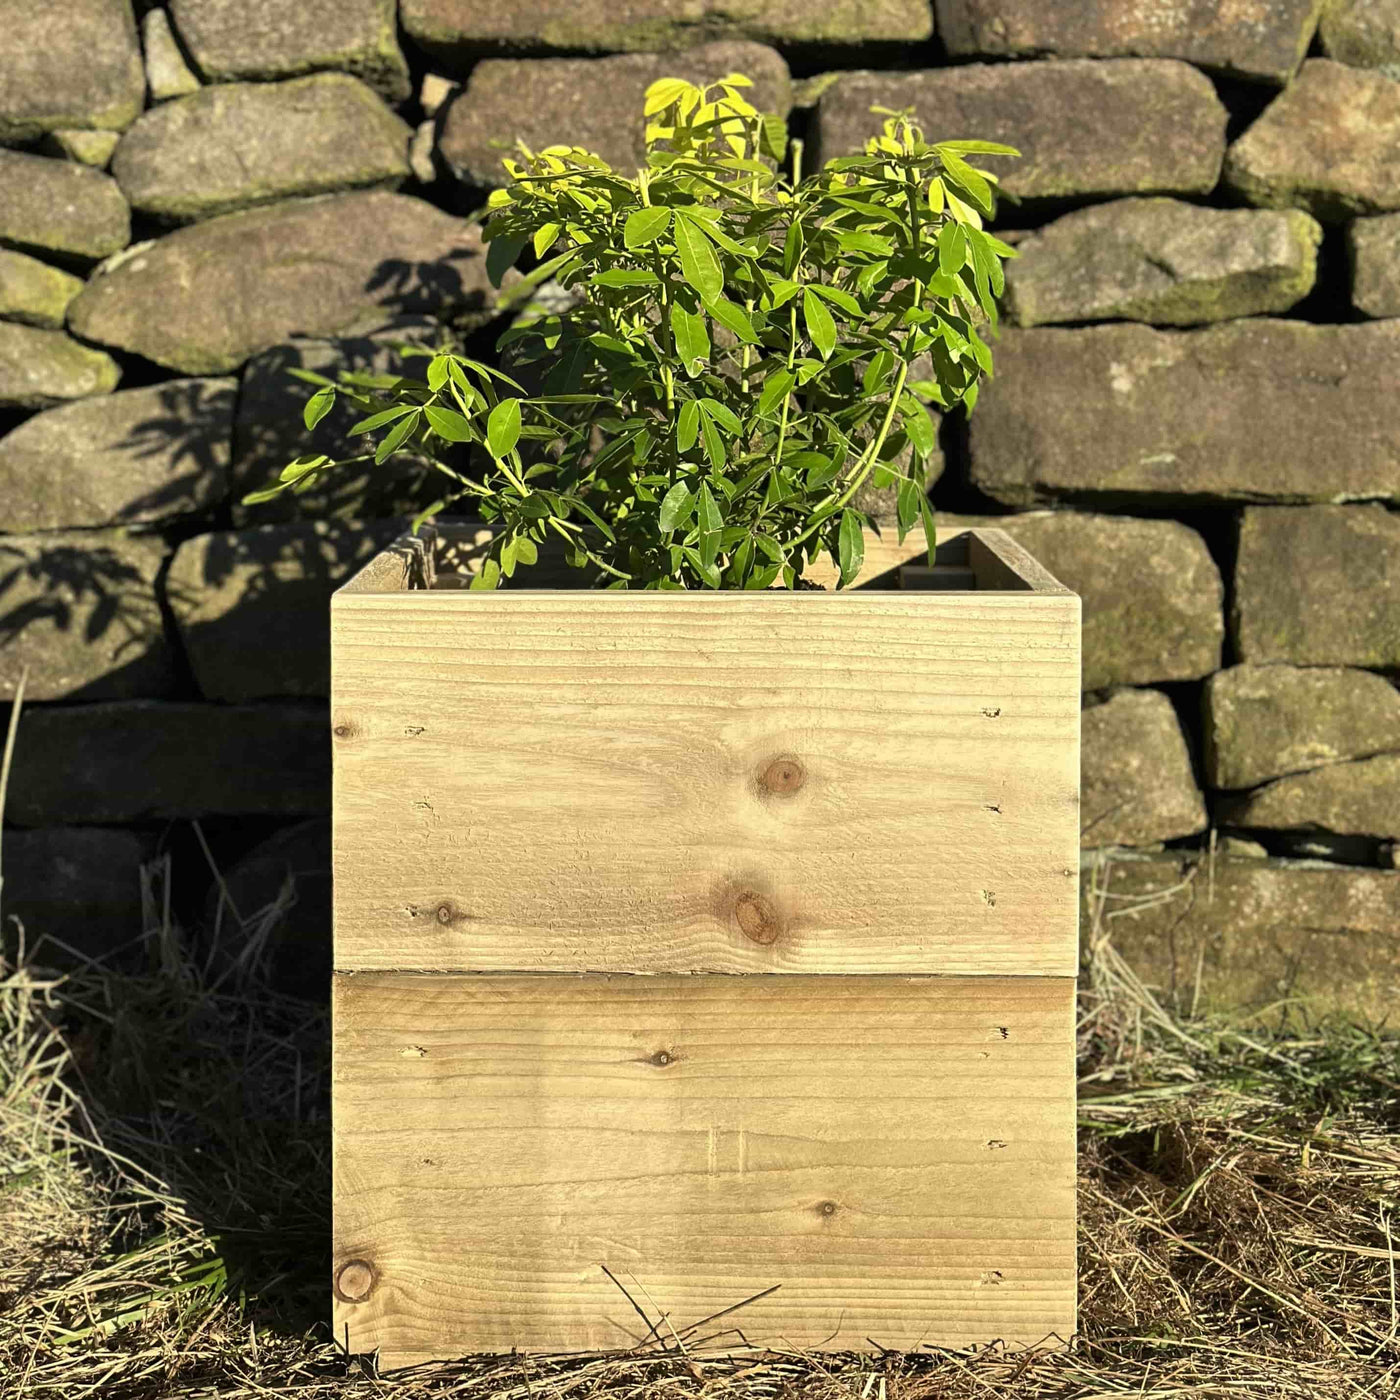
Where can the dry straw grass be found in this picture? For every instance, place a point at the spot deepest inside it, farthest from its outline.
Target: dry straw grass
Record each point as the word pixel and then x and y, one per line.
pixel 164 1209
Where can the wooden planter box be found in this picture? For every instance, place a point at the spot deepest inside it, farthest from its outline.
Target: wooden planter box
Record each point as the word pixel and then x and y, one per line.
pixel 564 820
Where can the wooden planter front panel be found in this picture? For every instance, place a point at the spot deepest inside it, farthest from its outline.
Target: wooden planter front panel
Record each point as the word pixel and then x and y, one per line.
pixel 534 789
pixel 895 1154
pixel 707 782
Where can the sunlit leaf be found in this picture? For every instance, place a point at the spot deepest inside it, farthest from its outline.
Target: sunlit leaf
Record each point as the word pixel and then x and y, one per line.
pixel 503 428
pixel 821 329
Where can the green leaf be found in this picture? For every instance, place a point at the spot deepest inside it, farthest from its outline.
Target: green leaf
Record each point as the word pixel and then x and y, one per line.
pixel 311 377
pixel 676 506
pixel 723 415
pixel 952 249
pixel 930 530
pixel 707 514
pixel 773 137
pixel 741 558
pixel 821 329
pixel 295 471
pixel 378 420
pixel 488 577
pixel 626 277
pixel 775 389
pixel 870 243
pixel 501 254
pixel 838 297
pixel 645 226
pixel 544 238
pixel 396 437
pixel 850 546
pixel 692 339
pixel 714 443
pixel 503 428
pixel 449 425
pixel 317 406
pixel 781 292
pixel 966 178
pixel 526 551
pixel 662 93
pixel 699 265
pixel 877 372
pixel 734 318
pixel 907 505
pixel 438 372
pixel 793 245
pixel 976 148
pixel 592 515
pixel 918 425
pixel 688 426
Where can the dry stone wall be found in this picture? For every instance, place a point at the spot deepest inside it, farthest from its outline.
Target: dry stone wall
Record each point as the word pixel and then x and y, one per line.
pixel 1195 420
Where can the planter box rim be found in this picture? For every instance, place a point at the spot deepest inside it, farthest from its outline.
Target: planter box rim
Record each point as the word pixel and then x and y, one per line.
pixel 417 564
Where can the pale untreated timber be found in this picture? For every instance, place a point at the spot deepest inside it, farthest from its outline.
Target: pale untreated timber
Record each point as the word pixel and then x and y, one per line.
pixel 895 1155
pixel 827 782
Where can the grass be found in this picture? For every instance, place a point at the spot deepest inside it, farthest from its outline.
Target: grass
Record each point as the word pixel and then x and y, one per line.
pixel 164 1208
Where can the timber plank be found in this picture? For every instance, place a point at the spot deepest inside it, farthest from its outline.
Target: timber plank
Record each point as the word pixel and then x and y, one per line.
pixel 782 782
pixel 895 1154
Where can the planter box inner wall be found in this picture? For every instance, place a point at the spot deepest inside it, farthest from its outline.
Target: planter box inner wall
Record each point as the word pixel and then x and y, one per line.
pixel 540 793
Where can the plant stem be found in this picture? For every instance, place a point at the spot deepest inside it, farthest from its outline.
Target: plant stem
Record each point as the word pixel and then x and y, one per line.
pixel 864 466
pixel 792 355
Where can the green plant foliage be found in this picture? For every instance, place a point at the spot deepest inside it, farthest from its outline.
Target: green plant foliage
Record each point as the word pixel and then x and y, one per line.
pixel 738 361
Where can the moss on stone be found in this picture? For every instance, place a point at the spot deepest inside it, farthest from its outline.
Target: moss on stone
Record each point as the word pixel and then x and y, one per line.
pixel 33 293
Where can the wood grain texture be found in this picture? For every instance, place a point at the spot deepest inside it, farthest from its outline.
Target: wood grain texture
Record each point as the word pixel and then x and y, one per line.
pixel 896 1154
pixel 671 782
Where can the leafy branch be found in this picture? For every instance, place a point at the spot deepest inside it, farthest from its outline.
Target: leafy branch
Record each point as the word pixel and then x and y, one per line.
pixel 737 363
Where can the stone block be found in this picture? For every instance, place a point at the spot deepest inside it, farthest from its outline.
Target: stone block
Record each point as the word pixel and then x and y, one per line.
pixel 1361 798
pixel 1137 784
pixel 593 103
pixel 77 65
pixel 1327 144
pixel 236 145
pixel 42 367
pixel 1263 409
pixel 230 40
pixel 1234 936
pixel 78 885
pixel 142 760
pixel 1084 128
pixel 1318 586
pixel 1374 245
pixel 205 299
pixel 167 73
pixel 1152 595
pixel 135 457
pixel 1162 261
pixel 60 207
pixel 79 609
pixel 253 606
pixel 1263 722
pixel 1261 40
pixel 457 30
pixel 1363 33
pixel 33 293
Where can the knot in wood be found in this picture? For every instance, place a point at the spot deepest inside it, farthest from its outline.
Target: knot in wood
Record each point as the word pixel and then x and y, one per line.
pixel 343 731
pixel 662 1058
pixel 783 776
pixel 444 913
pixel 827 1208
pixel 355 1280
pixel 757 918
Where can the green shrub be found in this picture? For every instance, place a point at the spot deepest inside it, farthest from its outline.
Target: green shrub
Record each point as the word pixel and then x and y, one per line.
pixel 737 362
